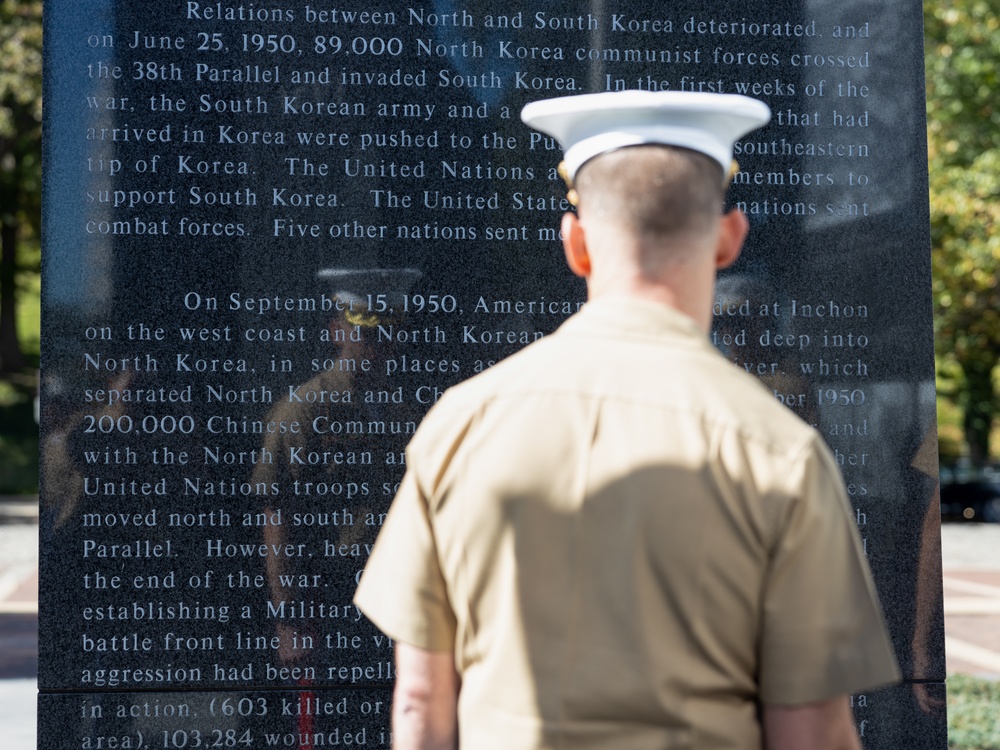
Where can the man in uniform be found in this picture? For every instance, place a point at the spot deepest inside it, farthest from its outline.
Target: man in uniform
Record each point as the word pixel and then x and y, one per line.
pixel 345 412
pixel 614 538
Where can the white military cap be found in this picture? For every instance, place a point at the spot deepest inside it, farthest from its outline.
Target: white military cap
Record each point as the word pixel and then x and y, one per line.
pixel 355 287
pixel 593 124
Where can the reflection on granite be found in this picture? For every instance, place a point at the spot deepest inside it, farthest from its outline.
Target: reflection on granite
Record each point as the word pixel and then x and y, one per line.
pixel 286 718
pixel 910 716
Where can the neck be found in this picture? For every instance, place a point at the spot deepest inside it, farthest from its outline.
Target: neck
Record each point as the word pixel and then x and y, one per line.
pixel 686 285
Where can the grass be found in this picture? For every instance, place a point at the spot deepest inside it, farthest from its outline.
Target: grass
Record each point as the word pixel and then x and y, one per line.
pixel 973 713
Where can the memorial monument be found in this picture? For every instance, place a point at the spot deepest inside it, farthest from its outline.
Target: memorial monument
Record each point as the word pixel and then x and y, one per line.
pixel 275 232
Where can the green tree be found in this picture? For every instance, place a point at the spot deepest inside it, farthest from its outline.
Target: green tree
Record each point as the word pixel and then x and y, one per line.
pixel 963 72
pixel 20 155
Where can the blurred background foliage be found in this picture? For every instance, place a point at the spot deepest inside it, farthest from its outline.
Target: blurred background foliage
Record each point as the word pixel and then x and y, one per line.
pixel 962 44
pixel 973 718
pixel 20 257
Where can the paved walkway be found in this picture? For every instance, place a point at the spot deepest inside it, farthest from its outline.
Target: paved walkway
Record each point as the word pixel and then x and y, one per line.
pixel 970 553
pixel 971 557
pixel 18 623
pixel 17 714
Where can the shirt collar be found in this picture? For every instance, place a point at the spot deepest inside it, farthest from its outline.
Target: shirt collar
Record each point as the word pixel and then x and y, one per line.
pixel 622 316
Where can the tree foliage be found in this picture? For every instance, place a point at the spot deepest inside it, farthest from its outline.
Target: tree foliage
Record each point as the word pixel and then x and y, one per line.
pixel 20 153
pixel 963 73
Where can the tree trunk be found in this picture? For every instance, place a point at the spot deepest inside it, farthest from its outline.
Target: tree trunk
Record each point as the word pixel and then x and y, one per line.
pixel 979 407
pixel 11 358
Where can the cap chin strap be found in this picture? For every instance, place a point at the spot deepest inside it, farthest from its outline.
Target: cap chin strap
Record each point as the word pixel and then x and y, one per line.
pixel 362 319
pixel 574 198
pixel 571 195
pixel 734 169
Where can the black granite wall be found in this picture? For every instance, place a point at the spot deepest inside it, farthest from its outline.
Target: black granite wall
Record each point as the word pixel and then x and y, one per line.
pixel 276 231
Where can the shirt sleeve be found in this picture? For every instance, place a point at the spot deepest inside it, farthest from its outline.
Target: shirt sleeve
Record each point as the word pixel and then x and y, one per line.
pixel 402 589
pixel 823 634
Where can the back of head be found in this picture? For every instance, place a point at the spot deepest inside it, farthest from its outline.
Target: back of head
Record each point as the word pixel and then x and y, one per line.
pixel 659 195
pixel 648 163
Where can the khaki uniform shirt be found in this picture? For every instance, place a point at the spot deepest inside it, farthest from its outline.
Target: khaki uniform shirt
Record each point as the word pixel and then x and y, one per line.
pixel 628 543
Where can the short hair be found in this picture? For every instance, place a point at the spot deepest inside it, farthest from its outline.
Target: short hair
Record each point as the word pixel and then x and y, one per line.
pixel 657 192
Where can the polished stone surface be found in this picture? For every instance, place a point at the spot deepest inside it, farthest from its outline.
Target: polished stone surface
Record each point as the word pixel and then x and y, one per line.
pixel 911 716
pixel 280 718
pixel 220 440
pixel 296 718
pixel 970 552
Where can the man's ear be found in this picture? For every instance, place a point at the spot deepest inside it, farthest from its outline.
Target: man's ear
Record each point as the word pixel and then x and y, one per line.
pixel 733 229
pixel 575 245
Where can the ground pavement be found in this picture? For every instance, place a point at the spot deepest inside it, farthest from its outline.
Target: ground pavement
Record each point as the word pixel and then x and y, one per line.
pixel 18 622
pixel 970 552
pixel 971 557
